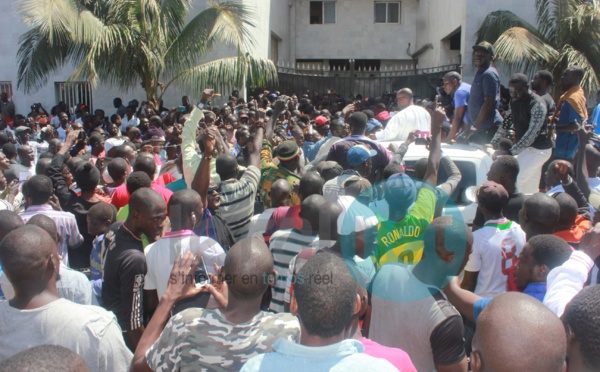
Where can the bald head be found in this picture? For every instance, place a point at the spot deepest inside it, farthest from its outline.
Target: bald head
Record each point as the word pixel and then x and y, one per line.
pixel 185 209
pixel 516 332
pixel 539 214
pixel 145 199
pixel 45 358
pixel 281 192
pixel 310 211
pixel 310 184
pixel 25 256
pixel 145 163
pixel 328 229
pixel 248 258
pixel 45 223
pixel 226 166
pixel 9 221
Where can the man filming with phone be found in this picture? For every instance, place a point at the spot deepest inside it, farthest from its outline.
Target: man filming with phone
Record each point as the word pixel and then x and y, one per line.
pixel 186 211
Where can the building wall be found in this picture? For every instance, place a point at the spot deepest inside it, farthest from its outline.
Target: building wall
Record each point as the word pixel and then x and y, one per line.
pixel 436 20
pixel 355 33
pixel 281 27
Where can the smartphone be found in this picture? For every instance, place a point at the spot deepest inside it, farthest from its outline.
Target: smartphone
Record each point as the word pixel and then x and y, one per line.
pixel 201 277
pixel 181 108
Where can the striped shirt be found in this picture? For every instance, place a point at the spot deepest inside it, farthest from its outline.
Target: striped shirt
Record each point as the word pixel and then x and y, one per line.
pixel 65 223
pixel 285 245
pixel 237 201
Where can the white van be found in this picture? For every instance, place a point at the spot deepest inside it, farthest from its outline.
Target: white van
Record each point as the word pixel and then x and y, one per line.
pixel 473 164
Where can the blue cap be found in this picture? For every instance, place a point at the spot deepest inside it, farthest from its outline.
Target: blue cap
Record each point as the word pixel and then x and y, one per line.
pixel 400 191
pixel 359 154
pixel 372 124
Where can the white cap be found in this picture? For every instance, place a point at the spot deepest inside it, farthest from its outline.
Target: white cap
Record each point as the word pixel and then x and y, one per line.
pixel 112 142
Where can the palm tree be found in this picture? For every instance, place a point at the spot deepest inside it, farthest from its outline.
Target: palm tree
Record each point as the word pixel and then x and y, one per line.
pixel 568 33
pixel 125 42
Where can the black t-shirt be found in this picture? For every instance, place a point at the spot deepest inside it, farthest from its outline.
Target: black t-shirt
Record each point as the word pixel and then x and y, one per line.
pixel 79 258
pixel 124 268
pixel 510 211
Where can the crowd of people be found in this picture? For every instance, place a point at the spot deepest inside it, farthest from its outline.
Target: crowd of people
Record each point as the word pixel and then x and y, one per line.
pixel 286 232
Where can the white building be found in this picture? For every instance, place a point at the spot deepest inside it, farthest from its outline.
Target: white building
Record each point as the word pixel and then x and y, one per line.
pixel 374 33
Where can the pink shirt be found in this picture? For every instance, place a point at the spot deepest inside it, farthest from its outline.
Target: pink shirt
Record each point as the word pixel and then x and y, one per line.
pixel 120 197
pixel 397 357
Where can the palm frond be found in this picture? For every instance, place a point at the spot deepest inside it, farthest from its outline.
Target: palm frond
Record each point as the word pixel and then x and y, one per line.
pixel 523 50
pixel 496 23
pixel 547 19
pixel 224 23
pixel 570 56
pixel 226 72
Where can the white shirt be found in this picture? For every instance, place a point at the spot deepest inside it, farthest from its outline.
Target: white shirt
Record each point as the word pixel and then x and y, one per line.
pixel 408 120
pixel 90 331
pixel 126 123
pixel 495 246
pixel 161 255
pixel 258 224
pixel 72 285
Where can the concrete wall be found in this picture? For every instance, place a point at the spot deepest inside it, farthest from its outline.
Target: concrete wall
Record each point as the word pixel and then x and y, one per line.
pixel 355 33
pixel 281 27
pixel 435 21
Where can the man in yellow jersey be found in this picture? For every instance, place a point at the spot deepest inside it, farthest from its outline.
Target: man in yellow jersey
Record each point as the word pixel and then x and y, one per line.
pixel 400 238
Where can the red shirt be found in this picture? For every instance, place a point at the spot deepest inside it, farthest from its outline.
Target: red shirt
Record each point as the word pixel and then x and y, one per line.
pixel 283 218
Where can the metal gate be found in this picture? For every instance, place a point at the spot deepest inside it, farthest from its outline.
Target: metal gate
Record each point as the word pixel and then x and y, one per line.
pixel 310 78
pixel 74 94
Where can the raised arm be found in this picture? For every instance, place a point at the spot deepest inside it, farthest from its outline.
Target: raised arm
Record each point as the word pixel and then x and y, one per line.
pixel 581 172
pixel 433 163
pixel 201 179
pixel 190 157
pixel 254 158
pixel 270 127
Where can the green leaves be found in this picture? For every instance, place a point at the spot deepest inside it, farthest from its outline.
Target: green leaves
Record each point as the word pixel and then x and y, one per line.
pixel 568 33
pixel 125 42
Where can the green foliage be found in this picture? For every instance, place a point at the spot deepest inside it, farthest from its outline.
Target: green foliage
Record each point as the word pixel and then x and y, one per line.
pixel 125 42
pixel 568 33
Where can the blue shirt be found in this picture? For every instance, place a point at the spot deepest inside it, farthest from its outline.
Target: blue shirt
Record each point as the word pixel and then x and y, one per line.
pixel 485 84
pixel 311 149
pixel 347 355
pixel 536 290
pixel 566 143
pixel 461 98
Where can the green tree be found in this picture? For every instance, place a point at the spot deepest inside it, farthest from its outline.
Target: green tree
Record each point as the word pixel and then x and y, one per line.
pixel 568 33
pixel 125 42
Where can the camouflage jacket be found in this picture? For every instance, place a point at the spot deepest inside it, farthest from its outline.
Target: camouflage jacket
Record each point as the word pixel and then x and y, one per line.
pixel 204 340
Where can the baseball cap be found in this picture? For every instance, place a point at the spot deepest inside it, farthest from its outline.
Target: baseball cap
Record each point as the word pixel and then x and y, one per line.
pixel 321 120
pixel 492 194
pixel 287 150
pixel 484 45
pixel 400 190
pixel 359 154
pixel 373 124
pixel 112 142
pixel 21 129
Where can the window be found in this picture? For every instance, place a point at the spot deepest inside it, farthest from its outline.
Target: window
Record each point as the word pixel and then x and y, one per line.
pixel 387 12
pixel 6 87
pixel 322 12
pixel 74 94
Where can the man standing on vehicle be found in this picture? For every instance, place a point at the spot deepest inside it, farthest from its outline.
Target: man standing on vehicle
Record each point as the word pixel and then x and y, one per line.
pixel 460 91
pixel 483 118
pixel 528 118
